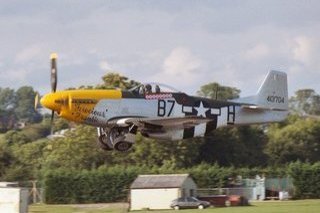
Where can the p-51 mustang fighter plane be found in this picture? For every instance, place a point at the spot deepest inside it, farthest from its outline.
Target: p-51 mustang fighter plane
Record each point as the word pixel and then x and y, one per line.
pixel 160 112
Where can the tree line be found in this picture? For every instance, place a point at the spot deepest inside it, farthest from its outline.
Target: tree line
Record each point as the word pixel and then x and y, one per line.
pixel 17 106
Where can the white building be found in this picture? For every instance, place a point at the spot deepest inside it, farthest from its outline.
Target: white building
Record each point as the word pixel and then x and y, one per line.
pixel 157 191
pixel 13 200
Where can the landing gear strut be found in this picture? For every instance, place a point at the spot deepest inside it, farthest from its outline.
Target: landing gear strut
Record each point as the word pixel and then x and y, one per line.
pixel 119 139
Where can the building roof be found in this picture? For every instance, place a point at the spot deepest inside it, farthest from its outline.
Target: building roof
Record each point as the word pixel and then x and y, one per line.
pixel 159 181
pixel 9 184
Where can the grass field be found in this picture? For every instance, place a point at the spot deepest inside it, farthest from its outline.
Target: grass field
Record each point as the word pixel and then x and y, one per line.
pixel 300 206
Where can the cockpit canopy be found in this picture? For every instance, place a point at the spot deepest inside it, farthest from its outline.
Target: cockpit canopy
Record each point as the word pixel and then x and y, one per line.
pixel 149 88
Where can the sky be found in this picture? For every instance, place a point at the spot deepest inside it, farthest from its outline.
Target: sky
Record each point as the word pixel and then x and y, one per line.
pixel 182 43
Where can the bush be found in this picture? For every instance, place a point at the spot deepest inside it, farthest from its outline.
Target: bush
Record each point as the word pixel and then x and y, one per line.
pixel 101 185
pixel 306 179
pixel 210 176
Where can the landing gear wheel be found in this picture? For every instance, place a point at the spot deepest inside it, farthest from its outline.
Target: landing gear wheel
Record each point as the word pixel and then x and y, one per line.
pixel 200 206
pixel 122 146
pixel 119 139
pixel 176 207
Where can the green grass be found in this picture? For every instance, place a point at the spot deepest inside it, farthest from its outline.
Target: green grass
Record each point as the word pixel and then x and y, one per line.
pixel 95 208
pixel 299 206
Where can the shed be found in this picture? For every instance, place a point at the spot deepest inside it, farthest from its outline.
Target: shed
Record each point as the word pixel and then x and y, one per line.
pixel 157 191
pixel 14 200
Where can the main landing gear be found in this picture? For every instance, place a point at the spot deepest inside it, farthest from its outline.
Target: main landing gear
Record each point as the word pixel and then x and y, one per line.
pixel 119 139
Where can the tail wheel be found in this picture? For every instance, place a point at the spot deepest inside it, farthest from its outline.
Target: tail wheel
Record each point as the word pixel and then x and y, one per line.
pixel 176 207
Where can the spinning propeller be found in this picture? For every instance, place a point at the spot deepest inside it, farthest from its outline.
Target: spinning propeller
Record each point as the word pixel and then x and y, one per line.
pixel 54 80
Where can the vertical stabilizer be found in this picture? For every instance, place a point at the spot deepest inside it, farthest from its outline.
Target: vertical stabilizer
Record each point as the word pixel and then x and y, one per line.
pixel 273 93
pixel 270 104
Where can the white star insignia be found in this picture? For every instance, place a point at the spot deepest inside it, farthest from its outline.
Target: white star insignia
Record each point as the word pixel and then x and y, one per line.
pixel 201 110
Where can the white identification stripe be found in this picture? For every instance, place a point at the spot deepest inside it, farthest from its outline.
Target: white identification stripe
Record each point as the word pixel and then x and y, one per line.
pixel 176 134
pixel 158 96
pixel 222 119
pixel 200 130
pixel 215 111
pixel 186 109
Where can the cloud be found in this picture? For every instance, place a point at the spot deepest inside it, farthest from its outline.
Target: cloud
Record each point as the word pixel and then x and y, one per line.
pixel 306 51
pixel 259 51
pixel 17 75
pixel 28 54
pixel 302 49
pixel 104 65
pixel 183 43
pixel 181 61
pixel 181 69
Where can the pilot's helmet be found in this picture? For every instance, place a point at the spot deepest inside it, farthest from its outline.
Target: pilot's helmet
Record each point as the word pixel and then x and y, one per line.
pixel 148 88
pixel 141 90
pixel 157 89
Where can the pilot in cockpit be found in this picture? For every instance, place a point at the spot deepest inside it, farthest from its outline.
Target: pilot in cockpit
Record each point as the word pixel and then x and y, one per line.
pixel 141 90
pixel 157 89
pixel 148 89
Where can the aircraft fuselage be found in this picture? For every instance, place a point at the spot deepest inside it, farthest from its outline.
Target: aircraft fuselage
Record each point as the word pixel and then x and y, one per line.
pixel 100 107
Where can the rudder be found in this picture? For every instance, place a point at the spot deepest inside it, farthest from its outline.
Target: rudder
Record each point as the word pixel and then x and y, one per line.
pixel 273 93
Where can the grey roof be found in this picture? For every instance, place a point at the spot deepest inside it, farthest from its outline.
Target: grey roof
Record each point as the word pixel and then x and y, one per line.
pixel 159 181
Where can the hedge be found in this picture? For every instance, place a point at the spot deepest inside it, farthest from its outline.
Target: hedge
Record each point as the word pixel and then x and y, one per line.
pixel 306 179
pixel 112 184
pixel 94 186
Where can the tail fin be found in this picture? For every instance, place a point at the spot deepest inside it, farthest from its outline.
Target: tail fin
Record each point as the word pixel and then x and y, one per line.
pixel 273 93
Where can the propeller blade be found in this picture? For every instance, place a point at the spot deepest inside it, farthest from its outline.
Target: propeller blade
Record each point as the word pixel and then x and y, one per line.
pixel 36 101
pixel 54 75
pixel 51 122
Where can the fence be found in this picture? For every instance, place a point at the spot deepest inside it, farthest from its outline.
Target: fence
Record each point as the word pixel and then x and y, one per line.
pixel 247 192
pixel 36 193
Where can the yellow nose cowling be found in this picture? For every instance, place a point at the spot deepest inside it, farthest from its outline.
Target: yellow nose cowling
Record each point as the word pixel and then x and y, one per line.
pixel 51 101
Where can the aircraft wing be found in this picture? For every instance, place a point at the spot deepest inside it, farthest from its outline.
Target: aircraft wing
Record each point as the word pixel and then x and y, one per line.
pixel 168 123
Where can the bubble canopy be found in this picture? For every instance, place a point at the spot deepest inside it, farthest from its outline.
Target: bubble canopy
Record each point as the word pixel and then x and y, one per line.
pixel 154 87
